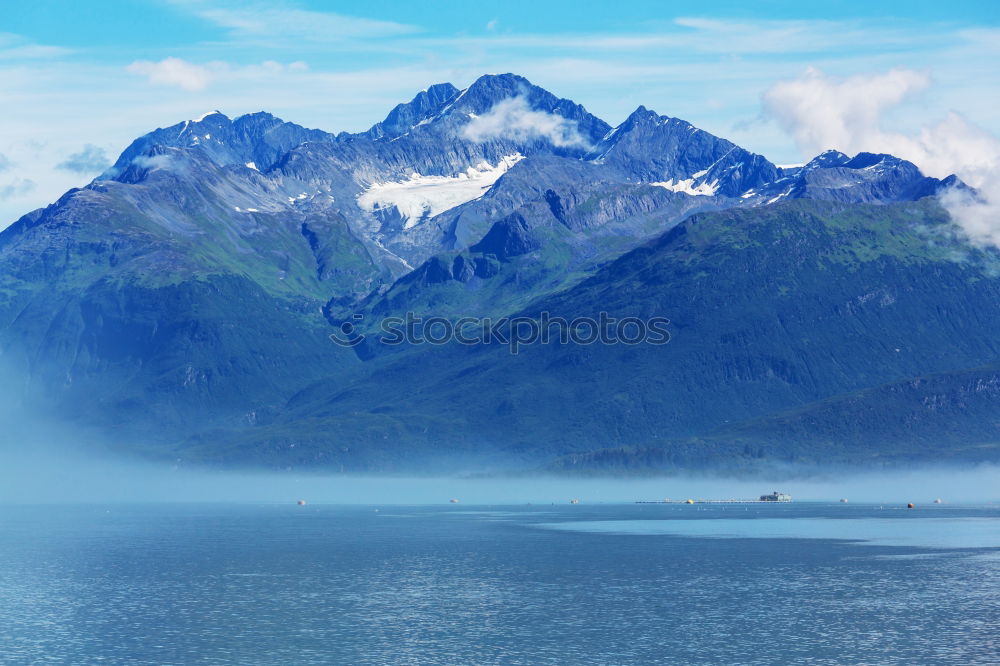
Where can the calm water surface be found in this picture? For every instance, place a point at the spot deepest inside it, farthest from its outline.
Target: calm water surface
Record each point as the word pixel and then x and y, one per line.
pixel 611 584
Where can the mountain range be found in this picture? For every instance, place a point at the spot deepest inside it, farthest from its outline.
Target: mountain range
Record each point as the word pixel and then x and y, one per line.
pixel 823 314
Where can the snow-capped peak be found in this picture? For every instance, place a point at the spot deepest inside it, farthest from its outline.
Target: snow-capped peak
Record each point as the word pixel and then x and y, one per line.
pixel 206 115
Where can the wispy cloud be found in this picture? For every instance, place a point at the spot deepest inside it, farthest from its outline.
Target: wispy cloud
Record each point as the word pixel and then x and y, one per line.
pixel 16 188
pixel 513 118
pixel 153 161
pixel 16 47
pixel 5 163
pixel 194 77
pixel 89 160
pixel 694 35
pixel 290 25
pixel 173 72
pixel 712 35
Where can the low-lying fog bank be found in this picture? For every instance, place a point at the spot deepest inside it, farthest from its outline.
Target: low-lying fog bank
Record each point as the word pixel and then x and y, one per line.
pixel 39 465
pixel 36 476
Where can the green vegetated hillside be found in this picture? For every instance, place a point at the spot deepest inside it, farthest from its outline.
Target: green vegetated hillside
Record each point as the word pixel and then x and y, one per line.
pixel 790 324
pixel 182 302
pixel 122 310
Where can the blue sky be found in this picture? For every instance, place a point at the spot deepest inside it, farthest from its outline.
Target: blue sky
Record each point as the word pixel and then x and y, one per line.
pixel 79 81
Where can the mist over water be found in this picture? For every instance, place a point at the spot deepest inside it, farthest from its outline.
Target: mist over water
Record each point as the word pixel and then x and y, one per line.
pixel 43 461
pixel 114 559
pixel 35 474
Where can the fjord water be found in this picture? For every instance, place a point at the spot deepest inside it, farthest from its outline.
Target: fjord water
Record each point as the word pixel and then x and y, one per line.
pixel 564 584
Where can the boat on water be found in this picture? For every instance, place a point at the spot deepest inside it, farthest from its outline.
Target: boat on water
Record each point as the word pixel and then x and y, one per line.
pixel 773 497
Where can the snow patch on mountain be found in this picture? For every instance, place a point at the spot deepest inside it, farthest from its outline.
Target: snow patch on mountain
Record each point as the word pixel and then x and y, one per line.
pixel 206 115
pixel 687 186
pixel 421 197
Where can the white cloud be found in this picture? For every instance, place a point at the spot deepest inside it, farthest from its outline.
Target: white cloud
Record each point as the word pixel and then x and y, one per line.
pixel 173 72
pixel 92 159
pixel 194 77
pixel 973 154
pixel 16 188
pixel 693 36
pixel 291 25
pixel 979 216
pixel 513 118
pixel 152 161
pixel 822 112
pixel 16 47
pixel 782 36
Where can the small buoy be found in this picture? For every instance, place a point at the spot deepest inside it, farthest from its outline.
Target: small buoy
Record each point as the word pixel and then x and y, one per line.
pixel 937 501
pixel 910 505
pixel 843 500
pixel 574 501
pixel 302 502
pixel 690 501
pixel 453 500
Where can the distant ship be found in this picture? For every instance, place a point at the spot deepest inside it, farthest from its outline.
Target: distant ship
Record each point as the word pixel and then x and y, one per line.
pixel 773 497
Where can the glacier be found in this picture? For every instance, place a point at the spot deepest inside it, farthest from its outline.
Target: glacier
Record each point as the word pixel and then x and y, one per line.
pixel 421 197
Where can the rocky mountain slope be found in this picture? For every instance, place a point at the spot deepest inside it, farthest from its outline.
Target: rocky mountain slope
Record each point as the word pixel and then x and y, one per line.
pixel 183 299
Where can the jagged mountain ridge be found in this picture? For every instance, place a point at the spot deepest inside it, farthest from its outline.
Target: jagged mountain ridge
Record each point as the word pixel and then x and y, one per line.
pixel 425 136
pixel 316 177
pixel 476 201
